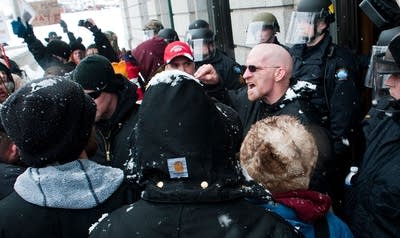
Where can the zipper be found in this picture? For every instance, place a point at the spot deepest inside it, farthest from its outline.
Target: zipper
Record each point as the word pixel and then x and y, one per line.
pixel 107 145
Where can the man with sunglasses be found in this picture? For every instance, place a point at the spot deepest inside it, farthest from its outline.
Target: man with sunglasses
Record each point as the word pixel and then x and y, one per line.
pixel 115 99
pixel 268 92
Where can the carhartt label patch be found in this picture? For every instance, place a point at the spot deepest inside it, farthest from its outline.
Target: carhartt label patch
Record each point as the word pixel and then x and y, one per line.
pixel 177 168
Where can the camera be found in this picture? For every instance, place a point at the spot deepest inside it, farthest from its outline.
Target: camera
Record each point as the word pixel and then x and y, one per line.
pixel 82 23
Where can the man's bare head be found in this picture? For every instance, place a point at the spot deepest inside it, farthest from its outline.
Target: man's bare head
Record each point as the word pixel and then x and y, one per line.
pixel 272 54
pixel 268 73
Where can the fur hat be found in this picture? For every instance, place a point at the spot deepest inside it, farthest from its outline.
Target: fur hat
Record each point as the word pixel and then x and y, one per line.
pixel 95 72
pixel 50 120
pixel 279 153
pixel 59 48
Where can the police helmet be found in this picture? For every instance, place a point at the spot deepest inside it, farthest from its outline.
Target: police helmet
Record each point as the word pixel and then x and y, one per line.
pixel 199 23
pixel 202 33
pixel 268 20
pixel 169 35
pixel 325 9
pixel 387 35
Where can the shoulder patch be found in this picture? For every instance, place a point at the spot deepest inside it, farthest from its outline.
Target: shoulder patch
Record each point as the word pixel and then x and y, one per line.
pixel 342 74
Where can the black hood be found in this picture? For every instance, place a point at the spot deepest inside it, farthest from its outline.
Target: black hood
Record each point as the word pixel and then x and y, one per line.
pixel 186 143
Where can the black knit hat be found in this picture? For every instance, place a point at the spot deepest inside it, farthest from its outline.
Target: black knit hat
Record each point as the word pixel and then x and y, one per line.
pixel 95 72
pixel 77 45
pixel 190 152
pixel 59 48
pixel 50 120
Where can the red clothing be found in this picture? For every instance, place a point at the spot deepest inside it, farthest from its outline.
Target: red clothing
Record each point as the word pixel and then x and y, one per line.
pixel 150 56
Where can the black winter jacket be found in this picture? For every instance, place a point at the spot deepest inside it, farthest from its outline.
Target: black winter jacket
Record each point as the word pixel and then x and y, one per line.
pixel 193 185
pixel 333 70
pixel 376 212
pixel 9 174
pixel 62 200
pixel 44 58
pixel 251 112
pixel 230 219
pixel 115 136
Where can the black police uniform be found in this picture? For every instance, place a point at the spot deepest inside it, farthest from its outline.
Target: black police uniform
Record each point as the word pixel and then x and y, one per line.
pixel 333 70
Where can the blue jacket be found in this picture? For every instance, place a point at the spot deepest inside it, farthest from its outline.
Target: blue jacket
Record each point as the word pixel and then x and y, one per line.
pixel 337 228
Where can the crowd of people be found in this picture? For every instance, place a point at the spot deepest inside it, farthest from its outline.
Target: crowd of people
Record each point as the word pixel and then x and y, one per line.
pixel 176 139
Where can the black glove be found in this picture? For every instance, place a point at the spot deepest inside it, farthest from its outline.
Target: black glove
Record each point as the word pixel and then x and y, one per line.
pixel 64 26
pixel 88 25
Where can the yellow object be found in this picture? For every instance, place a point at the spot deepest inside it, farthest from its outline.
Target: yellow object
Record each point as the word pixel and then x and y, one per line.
pixel 331 9
pixel 120 68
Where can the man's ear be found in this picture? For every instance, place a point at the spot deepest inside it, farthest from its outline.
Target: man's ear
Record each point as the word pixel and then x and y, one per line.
pixel 280 74
pixel 14 153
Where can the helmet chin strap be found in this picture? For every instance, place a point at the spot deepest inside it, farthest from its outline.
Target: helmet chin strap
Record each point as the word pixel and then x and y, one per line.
pixel 317 34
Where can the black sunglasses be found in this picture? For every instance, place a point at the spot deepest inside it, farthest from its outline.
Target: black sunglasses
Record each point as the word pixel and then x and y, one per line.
pixel 94 94
pixel 253 68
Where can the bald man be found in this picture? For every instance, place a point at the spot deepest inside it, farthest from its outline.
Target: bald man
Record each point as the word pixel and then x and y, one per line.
pixel 268 91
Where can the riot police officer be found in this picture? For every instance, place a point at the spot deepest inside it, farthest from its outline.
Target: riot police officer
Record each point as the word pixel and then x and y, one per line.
pixel 201 39
pixel 169 35
pixel 263 29
pixel 333 70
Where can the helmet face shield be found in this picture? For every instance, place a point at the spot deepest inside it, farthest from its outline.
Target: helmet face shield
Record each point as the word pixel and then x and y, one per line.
pixel 371 73
pixel 301 28
pixel 202 43
pixel 148 34
pixel 384 67
pixel 258 32
pixel 202 49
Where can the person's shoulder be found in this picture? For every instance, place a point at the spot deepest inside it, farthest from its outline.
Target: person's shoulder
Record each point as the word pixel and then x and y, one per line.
pixel 337 227
pixel 343 53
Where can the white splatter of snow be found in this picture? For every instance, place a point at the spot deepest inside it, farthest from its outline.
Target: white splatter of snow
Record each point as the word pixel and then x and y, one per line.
pixel 345 141
pixel 166 77
pixel 91 228
pixel 224 220
pixel 43 84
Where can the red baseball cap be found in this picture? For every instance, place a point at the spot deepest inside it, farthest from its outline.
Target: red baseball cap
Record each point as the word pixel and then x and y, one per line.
pixel 175 49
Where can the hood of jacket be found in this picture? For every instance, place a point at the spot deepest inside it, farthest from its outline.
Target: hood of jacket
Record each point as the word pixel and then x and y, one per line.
pixel 185 149
pixel 150 56
pixel 80 184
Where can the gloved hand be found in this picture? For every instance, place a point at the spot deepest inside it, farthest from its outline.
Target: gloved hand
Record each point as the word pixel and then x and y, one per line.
pixel 18 28
pixel 64 26
pixel 88 24
pixel 22 31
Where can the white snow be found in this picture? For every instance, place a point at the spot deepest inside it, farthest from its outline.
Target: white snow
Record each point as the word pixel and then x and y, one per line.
pixel 224 220
pixel 43 84
pixel 91 228
pixel 165 77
